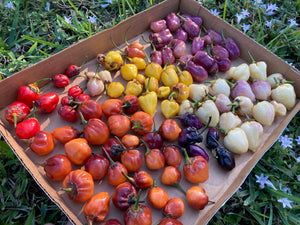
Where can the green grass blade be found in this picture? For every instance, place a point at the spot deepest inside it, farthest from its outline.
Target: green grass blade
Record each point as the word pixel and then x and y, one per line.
pixel 42 41
pixel 31 218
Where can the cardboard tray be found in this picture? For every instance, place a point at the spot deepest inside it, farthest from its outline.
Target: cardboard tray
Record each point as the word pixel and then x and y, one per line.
pixel 221 184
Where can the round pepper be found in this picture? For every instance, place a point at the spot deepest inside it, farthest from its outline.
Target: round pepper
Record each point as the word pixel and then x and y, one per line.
pixel 169 108
pixel 169 77
pixel 78 151
pixel 115 89
pixel 97 207
pixel 129 71
pixel 153 70
pixel 112 60
pixel 41 143
pixel 134 87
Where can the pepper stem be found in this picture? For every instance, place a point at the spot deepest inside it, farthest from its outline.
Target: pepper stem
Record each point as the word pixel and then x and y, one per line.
pixel 187 158
pixel 118 139
pixel 108 156
pixel 147 57
pixel 84 122
pixel 252 59
pixel 125 38
pixel 15 119
pixel 146 145
pixel 114 44
pixel 206 126
pixel 43 79
pixel 230 83
pixel 177 185
pixel 32 112
pixel 135 207
pixel 128 177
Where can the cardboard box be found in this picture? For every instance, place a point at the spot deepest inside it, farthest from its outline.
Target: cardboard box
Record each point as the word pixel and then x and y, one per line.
pixel 221 184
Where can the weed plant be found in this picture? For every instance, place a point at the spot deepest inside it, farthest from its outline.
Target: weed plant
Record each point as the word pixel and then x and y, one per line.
pixel 30 31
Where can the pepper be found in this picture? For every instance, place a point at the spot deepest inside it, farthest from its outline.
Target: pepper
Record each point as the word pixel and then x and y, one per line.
pixel 65 134
pixel 254 131
pixel 29 93
pixel 130 104
pixel 206 110
pixel 275 79
pixel 258 70
pixel 223 103
pixel 95 86
pixel 167 55
pixel 186 106
pixel 67 112
pixel 180 92
pixel 159 25
pixel 280 109
pixel 196 197
pixel 148 101
pixel 185 77
pixel 169 108
pixel 240 72
pixel 112 60
pixel 163 92
pixel 153 84
pixel 115 89
pixel 105 76
pixel 236 141
pixel 284 94
pixel 129 71
pixel 133 87
pixel 231 46
pixel 41 143
pixel 78 151
pixel 72 71
pixel 97 207
pixel 243 105
pixel 242 88
pixel 60 80
pixel 169 77
pixel 218 86
pixel 140 78
pixel 16 112
pixel 229 121
pixel 198 91
pixel 124 196
pixel 261 89
pixel 139 62
pixel 264 113
pixel 153 70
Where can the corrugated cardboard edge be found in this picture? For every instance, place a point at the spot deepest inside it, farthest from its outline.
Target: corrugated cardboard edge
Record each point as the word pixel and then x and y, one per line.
pixel 88 48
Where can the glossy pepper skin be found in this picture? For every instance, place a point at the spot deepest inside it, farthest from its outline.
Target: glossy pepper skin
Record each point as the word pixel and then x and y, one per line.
pixel 46 103
pixel 16 112
pixel 41 143
pixel 60 80
pixel 79 185
pixel 148 102
pixel 170 221
pixel 174 208
pixel 96 132
pixel 172 155
pixel 124 196
pixel 28 94
pixel 196 197
pixel 232 48
pixel 72 71
pixel 97 166
pixel 78 150
pixel 169 108
pixel 97 207
pixel 112 60
pixel 169 130
pixel 65 134
pixel 57 167
pixel 141 122
pixel 130 104
pixel 27 128
pixel 158 197
pixel 90 109
pixel 68 113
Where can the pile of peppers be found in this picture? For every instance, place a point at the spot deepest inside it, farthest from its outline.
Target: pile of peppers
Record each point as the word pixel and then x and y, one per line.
pixel 225 115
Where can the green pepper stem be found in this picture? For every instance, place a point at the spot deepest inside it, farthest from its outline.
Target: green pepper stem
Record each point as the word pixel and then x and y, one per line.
pixel 114 44
pixel 148 84
pixel 43 79
pixel 177 185
pixel 15 119
pixel 146 145
pixel 252 59
pixel 32 112
pixel 128 177
pixel 230 83
pixel 206 126
pixel 135 207
pixel 118 139
pixel 84 122
pixel 154 183
pixel 108 156
pixel 187 158
pixel 125 37
pixel 83 62
pixel 147 57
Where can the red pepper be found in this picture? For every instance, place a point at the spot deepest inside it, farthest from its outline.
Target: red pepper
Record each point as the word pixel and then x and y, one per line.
pixel 27 128
pixel 60 80
pixel 28 94
pixel 46 103
pixel 72 71
pixel 74 91
pixel 16 112
pixel 68 113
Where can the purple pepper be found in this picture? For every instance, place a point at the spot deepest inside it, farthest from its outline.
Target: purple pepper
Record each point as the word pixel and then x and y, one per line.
pixel 215 36
pixel 190 27
pixel 190 120
pixel 261 89
pixel 167 56
pixel 214 69
pixel 218 50
pixel 197 19
pixel 232 48
pixel 181 35
pixel 184 59
pixel 224 64
pixel 197 45
pixel 210 142
pixel 173 22
pixel 202 58
pixel 161 39
pixel 156 57
pixel 242 88
pixel 195 150
pixel 198 72
pixel 190 135
pixel 178 47
pixel 158 26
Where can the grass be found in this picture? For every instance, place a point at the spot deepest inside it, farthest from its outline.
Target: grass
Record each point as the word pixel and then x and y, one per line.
pixel 29 34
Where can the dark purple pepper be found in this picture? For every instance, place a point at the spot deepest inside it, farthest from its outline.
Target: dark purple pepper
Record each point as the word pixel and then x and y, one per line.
pixel 223 63
pixel 225 158
pixel 186 16
pixel 181 35
pixel 153 140
pixel 232 48
pixel 210 142
pixel 202 58
pixel 184 59
pixel 178 47
pixel 155 56
pixel 198 20
pixel 195 150
pixel 215 36
pixel 191 28
pixel 189 136
pixel 218 50
pixel 198 72
pixel 173 22
pixel 197 45
pixel 158 26
pixel 213 69
pixel 190 120
pixel 167 56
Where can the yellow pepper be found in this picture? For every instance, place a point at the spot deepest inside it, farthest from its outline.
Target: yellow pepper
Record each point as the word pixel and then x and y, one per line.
pixel 181 92
pixel 112 60
pixel 141 78
pixel 115 89
pixel 129 71
pixel 134 87
pixel 169 77
pixel 163 92
pixel 153 70
pixel 148 101
pixel 172 66
pixel 153 84
pixel 185 77
pixel 139 62
pixel 169 108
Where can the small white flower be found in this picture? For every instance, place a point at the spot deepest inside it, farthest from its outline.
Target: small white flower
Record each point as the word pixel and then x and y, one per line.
pixel 287 190
pixel 106 3
pixel 292 22
pixel 239 17
pixel 68 19
pixel 215 12
pixel 298 159
pixel 270 184
pixel 269 24
pixel 298 178
pixel 92 19
pixel 245 13
pixel 10 5
pixel 285 141
pixel 47 8
pixel 259 2
pixel 285 202
pixel 262 180
pixel 298 140
pixel 245 27
pixel 270 9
